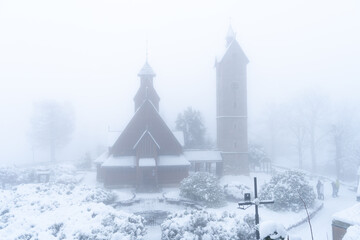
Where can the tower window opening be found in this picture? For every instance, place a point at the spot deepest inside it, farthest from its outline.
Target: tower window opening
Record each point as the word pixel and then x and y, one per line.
pixel 235 144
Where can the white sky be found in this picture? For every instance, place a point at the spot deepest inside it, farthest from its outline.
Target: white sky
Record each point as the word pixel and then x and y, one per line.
pixel 89 53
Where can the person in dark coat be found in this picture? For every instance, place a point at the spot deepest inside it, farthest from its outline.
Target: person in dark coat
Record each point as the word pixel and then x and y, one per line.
pixel 318 186
pixel 334 189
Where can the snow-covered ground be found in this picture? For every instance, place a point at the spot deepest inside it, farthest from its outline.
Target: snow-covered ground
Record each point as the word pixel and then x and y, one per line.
pixel 321 223
pixel 74 208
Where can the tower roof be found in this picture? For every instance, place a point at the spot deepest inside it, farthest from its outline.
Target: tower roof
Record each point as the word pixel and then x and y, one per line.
pixel 230 36
pixel 146 70
pixel 230 33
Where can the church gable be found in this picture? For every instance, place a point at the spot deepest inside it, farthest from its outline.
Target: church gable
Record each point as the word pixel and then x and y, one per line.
pixel 146 146
pixel 146 118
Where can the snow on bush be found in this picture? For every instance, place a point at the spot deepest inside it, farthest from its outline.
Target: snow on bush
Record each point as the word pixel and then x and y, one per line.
pixel 65 174
pixel 270 230
pixel 100 195
pixel 202 187
pixel 286 188
pixel 14 175
pixel 195 224
pixel 352 233
pixel 49 211
pixel 62 174
pixel 235 191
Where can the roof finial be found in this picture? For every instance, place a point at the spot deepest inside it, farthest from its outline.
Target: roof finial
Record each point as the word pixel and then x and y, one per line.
pixel 230 36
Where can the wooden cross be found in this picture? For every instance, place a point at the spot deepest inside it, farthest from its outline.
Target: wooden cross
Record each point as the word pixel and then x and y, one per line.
pixel 247 202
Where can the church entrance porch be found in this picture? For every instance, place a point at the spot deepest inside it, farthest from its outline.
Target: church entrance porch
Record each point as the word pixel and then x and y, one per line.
pixel 147 175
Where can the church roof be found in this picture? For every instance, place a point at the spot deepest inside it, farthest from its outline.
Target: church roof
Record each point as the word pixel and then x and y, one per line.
pixel 234 46
pixel 146 70
pixel 146 119
pixel 144 93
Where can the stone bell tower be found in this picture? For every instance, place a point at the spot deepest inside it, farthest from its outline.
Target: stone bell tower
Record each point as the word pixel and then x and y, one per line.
pixel 231 109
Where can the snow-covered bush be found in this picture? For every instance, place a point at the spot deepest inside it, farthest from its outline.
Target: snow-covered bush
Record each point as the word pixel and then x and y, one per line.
pixel 202 187
pixel 58 211
pixel 203 225
pixel 65 174
pixel 15 175
pixel 270 230
pixel 236 191
pixel 100 195
pixel 287 189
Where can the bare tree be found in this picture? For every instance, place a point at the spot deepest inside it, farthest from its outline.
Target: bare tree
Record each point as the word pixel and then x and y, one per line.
pixel 342 135
pixel 298 130
pixel 314 108
pixel 52 125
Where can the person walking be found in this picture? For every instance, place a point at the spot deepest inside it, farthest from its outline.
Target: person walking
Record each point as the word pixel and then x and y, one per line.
pixel 337 183
pixel 318 186
pixel 333 184
pixel 321 195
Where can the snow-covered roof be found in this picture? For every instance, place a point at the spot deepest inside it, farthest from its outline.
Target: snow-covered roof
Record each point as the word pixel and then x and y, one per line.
pixel 123 161
pixel 146 70
pixel 173 160
pixel 180 137
pixel 352 233
pixel 220 56
pixel 102 157
pixel 203 156
pixel 147 162
pixel 350 215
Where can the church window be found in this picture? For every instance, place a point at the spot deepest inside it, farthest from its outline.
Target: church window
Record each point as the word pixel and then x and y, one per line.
pixel 235 144
pixel 235 104
pixel 235 126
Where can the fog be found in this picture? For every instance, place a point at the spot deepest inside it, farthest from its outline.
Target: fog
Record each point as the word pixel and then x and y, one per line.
pixel 88 54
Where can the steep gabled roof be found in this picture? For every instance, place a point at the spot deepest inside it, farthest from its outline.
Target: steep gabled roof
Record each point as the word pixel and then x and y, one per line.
pixel 234 47
pixel 146 118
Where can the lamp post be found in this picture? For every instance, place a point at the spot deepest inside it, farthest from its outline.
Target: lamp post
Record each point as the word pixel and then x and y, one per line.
pixel 247 203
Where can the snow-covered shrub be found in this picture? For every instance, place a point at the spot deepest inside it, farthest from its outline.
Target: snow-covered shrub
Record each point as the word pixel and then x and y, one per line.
pixel 100 195
pixel 202 187
pixel 58 211
pixel 15 175
pixel 203 225
pixel 65 174
pixel 270 230
pixel 235 191
pixel 287 189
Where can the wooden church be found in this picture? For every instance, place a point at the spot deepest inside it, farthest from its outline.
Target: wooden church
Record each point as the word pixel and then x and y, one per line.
pixel 148 154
